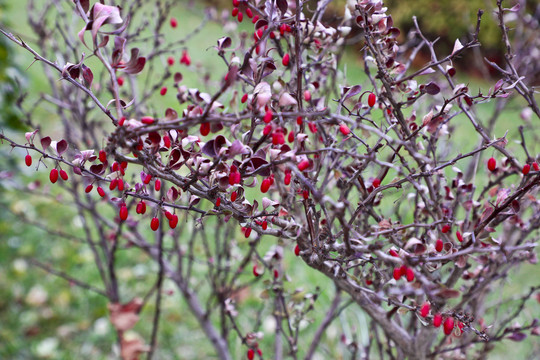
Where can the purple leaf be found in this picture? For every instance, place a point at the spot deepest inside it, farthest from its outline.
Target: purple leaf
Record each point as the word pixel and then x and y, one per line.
pixel 135 64
pixel 178 77
pixel 45 142
pixel 61 147
pixel 97 169
pixel 194 200
pixel 172 194
pixel 171 114
pixel 517 336
pixel 30 135
pixel 350 92
pixel 237 148
pixel 282 5
pixel 88 77
pixel 118 51
pixel 85 4
pixel 432 88
pixel 224 43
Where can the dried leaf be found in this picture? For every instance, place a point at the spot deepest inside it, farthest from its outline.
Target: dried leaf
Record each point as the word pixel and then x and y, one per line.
pixel 125 316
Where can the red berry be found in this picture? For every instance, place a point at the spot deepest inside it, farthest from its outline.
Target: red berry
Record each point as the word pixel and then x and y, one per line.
pixel 307 95
pixel 240 17
pixel 268 116
pixel 163 91
pixel 147 179
pixel 233 196
pixel 251 352
pixel 287 179
pixel 157 185
pixel 303 165
pixel 174 23
pixel 344 129
pixel 102 156
pixel 121 121
pixel 205 128
pixel 491 164
pixel 372 98
pixel 290 138
pixel 403 270
pixel 393 253
pixel 167 141
pixel 247 233
pixel 255 19
pixel 459 236
pixel 276 274
pixel 249 13
pixel 397 273
pixel 305 194
pixel 100 191
pixel 526 169
pixel 120 185
pixel 244 98
pixel 154 224
pixel 236 3
pixel 286 60
pixel 218 202
pixel 424 310
pixel 297 250
pixel 28 160
pixel 265 185
pixel 148 120
pixel 439 245
pixel 235 12
pixel 89 188
pixel 535 166
pixel 437 320
pixel 448 325
pixel 185 59
pixel 139 207
pixel 299 120
pixel 312 127
pixel 376 183
pixel 123 212
pixel 410 274
pixel 120 81
pixel 53 176
pixel 278 138
pixel 113 184
pixel 264 225
pixel 168 215
pixel 445 228
pixel 255 272
pixel 170 61
pixel 173 221
pixel 63 175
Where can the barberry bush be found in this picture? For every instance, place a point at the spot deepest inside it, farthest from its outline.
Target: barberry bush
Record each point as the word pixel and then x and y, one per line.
pixel 407 202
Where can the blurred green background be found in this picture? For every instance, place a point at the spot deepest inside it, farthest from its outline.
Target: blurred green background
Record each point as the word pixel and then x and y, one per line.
pixel 42 316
